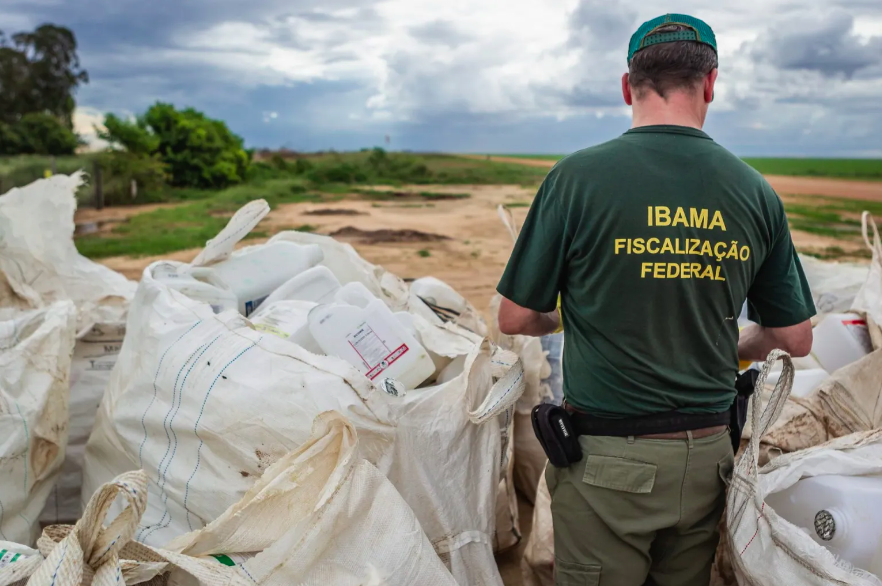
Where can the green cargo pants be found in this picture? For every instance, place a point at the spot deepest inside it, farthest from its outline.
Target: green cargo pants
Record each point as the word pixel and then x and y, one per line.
pixel 639 512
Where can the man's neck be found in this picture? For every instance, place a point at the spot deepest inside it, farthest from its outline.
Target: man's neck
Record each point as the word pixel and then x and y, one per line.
pixel 679 109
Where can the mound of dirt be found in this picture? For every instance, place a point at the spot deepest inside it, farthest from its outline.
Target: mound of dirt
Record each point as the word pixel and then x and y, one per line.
pixel 385 236
pixel 334 212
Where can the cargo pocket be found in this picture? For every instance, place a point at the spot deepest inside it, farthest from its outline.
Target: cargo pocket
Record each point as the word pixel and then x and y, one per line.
pixel 619 474
pixel 725 468
pixel 573 574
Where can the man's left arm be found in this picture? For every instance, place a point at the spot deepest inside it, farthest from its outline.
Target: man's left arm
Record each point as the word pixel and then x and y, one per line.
pixel 531 284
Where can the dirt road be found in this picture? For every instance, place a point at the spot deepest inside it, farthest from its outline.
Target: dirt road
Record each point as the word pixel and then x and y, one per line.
pixel 844 188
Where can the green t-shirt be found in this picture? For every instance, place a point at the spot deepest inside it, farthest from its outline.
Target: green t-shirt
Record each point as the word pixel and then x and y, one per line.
pixel 654 240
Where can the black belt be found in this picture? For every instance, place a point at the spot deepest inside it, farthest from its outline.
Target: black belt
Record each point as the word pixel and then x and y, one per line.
pixel 671 422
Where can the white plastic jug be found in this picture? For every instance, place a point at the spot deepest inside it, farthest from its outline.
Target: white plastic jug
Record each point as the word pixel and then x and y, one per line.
pixel 841 513
pixel 287 320
pixel 198 283
pixel 804 381
pixel 438 295
pixel 356 294
pixel 318 285
pixel 361 330
pixel 840 339
pixel 255 273
pixel 406 320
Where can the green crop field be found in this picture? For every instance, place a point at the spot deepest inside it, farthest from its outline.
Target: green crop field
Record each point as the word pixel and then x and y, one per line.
pixel 841 168
pixel 865 169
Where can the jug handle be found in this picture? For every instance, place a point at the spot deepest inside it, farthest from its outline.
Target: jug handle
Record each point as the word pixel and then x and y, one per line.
pixel 221 246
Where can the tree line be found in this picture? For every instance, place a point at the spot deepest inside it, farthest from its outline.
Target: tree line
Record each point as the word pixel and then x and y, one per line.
pixel 40 72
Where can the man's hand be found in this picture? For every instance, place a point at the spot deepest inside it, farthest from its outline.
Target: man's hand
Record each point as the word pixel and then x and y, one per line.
pixel 756 342
pixel 516 320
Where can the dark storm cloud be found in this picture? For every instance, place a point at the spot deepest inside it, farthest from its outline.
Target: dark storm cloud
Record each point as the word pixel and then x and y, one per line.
pixel 602 24
pixel 827 45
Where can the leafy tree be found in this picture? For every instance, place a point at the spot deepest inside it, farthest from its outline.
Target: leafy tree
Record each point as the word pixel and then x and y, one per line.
pixel 43 134
pixel 134 136
pixel 197 151
pixel 39 73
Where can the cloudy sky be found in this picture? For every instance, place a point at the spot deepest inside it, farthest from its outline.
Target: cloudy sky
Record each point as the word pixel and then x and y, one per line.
pixel 797 77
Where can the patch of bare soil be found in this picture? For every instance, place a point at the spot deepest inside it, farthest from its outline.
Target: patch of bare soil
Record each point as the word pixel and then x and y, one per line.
pixel 385 236
pixel 334 212
pixel 839 188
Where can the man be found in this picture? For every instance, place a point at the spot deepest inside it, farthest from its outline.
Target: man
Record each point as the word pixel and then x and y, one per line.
pixel 652 242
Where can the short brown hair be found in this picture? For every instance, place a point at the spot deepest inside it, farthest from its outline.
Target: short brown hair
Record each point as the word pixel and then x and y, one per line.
pixel 671 66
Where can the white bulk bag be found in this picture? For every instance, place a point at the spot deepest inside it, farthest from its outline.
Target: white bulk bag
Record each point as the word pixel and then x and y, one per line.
pixel 834 285
pixel 528 453
pixel 537 567
pixel 319 516
pixel 869 298
pixel 762 547
pixel 40 265
pixel 204 403
pixel 35 353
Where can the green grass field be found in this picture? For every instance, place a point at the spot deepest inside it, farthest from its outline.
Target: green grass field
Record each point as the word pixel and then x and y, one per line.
pixel 866 169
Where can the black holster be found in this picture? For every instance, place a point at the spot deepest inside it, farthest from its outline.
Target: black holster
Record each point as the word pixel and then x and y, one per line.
pixel 744 388
pixel 554 430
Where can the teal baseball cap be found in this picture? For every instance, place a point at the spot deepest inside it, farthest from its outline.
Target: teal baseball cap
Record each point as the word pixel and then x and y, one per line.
pixel 699 32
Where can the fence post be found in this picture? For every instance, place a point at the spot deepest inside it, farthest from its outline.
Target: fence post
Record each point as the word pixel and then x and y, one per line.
pixel 54 166
pixel 99 188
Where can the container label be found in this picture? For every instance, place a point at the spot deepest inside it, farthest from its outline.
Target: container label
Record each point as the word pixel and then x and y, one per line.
pixel 376 354
pixel 860 332
pixel 253 304
pixel 7 557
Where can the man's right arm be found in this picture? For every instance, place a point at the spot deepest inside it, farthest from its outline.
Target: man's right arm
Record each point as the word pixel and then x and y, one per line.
pixel 780 299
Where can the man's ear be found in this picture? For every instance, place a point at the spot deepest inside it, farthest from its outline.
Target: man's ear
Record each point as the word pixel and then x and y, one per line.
pixel 626 89
pixel 710 80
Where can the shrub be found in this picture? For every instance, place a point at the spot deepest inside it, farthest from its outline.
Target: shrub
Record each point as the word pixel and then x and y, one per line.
pixel 198 151
pixel 120 168
pixel 11 141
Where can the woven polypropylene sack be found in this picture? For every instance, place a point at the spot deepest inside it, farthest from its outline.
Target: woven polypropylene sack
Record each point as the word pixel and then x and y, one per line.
pixel 319 516
pixel 869 298
pixel 834 285
pixel 762 547
pixel 537 566
pixel 39 266
pixel 845 403
pixel 35 353
pixel 529 457
pixel 204 403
